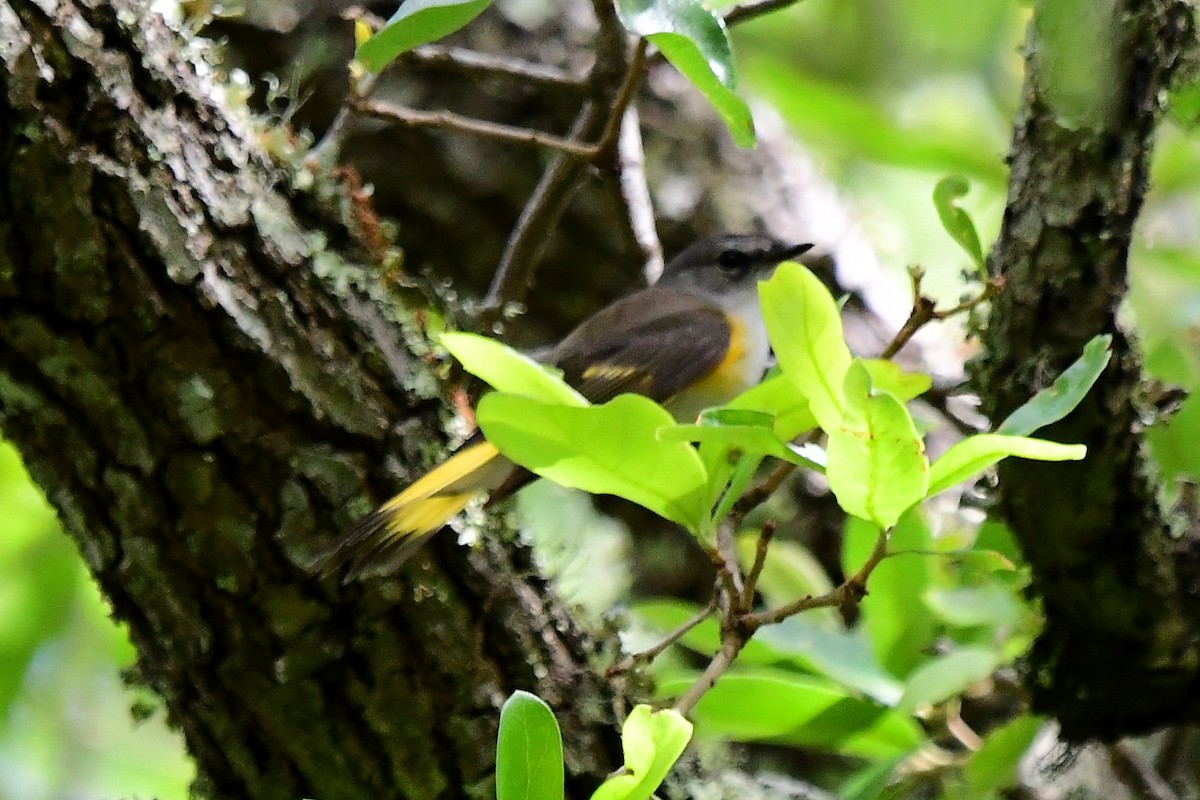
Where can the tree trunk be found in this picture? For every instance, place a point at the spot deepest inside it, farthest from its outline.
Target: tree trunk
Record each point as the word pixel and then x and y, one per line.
pixel 1120 652
pixel 206 381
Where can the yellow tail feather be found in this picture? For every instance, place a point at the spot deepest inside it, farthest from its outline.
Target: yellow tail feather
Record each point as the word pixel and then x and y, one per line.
pixel 395 530
pixel 450 477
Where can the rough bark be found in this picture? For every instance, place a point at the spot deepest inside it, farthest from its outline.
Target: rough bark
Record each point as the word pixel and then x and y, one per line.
pixel 206 383
pixel 1120 652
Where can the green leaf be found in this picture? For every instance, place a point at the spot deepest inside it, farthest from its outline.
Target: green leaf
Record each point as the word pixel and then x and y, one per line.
pixel 844 657
pixel 606 449
pixel 976 453
pixel 786 708
pixel 506 370
pixel 746 438
pixel 899 627
pixel 1067 391
pixel 529 758
pixel 778 396
pixel 887 376
pixel 946 676
pixel 806 332
pixel 693 38
pixel 994 765
pixel 652 742
pixel 989 605
pixel 875 460
pixel 870 781
pixel 415 23
pixel 955 220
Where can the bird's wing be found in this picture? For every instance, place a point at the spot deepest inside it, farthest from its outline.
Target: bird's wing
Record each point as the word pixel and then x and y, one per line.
pixel 654 342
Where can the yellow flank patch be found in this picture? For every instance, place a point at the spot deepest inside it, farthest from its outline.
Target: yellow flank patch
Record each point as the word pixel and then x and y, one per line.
pixel 728 377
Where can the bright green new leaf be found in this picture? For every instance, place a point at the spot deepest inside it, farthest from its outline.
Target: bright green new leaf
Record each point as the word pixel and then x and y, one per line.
pixel 1051 405
pixel 946 676
pixel 415 23
pixel 976 453
pixel 875 460
pixel 746 438
pixel 606 449
pixel 787 708
pixel 506 370
pixel 955 220
pixel 652 742
pixel 693 38
pixel 887 376
pixel 994 766
pixel 806 332
pixel 778 396
pixel 529 757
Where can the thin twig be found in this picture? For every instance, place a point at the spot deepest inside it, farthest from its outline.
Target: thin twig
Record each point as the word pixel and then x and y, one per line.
pixel 749 11
pixel 651 653
pixel 925 311
pixel 606 147
pixel 849 593
pixel 449 120
pixel 730 647
pixel 472 62
pixel 541 214
pixel 760 561
pixel 959 728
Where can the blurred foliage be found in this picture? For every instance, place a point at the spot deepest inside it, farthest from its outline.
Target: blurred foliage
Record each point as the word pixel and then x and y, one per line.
pixel 891 97
pixel 65 723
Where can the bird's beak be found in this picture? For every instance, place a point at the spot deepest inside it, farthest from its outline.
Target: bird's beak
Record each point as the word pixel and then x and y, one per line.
pixel 792 251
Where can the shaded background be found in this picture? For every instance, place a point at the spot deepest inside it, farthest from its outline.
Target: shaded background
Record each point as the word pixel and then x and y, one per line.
pixel 886 97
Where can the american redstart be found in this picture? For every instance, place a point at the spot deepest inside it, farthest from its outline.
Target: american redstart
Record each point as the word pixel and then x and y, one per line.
pixel 693 340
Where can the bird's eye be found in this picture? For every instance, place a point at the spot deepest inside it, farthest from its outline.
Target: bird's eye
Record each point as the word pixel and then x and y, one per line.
pixel 734 262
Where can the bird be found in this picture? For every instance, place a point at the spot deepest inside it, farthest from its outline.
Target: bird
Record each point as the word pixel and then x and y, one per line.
pixel 693 340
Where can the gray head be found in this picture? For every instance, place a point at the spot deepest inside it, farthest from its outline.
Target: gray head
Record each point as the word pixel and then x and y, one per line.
pixel 728 265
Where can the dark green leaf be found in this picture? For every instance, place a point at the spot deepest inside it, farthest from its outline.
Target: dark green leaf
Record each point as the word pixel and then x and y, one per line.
pixel 693 38
pixel 955 220
pixel 415 23
pixel 606 449
pixel 529 759
pixel 1067 391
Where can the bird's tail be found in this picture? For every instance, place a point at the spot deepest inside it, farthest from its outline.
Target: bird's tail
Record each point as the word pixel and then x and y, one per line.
pixel 392 533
